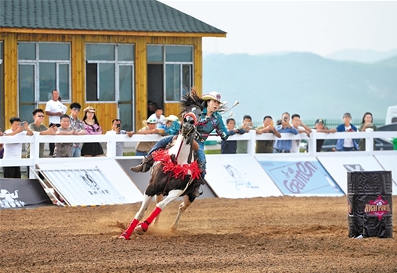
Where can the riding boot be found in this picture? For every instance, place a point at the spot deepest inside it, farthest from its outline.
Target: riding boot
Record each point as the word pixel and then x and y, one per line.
pixel 145 165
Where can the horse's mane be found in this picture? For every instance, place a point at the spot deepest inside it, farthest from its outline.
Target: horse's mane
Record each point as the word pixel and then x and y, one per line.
pixel 191 99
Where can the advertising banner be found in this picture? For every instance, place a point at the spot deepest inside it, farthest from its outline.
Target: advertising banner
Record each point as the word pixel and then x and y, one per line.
pixel 306 177
pixel 388 162
pixel 18 193
pixel 338 167
pixel 238 177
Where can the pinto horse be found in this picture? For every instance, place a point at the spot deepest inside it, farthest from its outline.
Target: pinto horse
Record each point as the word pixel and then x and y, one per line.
pixel 175 172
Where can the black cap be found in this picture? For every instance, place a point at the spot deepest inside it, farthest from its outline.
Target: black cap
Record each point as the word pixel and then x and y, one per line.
pixel 319 121
pixel 347 115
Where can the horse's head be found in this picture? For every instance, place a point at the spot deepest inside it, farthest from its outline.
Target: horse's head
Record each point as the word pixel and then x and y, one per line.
pixel 191 116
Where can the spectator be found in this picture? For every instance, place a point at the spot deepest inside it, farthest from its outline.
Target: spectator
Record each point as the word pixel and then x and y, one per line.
pixel 320 128
pixel 302 128
pixel 246 126
pixel 64 149
pixel 1 150
pixel 116 129
pixel 77 125
pixel 230 147
pixel 143 148
pixel 92 127
pixel 284 146
pixel 367 122
pixel 266 146
pixel 54 109
pixel 158 114
pixel 38 126
pixel 14 150
pixel 347 144
pixel 151 108
pixel 171 126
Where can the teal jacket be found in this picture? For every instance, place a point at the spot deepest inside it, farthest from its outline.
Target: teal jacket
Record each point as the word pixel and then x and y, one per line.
pixel 215 122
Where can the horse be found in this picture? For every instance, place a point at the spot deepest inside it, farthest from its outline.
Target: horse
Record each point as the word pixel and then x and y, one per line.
pixel 175 171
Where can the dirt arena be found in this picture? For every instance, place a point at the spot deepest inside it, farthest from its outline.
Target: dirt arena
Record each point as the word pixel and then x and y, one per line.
pixel 277 234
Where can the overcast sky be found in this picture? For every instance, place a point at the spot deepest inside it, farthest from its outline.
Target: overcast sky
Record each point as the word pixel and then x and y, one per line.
pixel 319 27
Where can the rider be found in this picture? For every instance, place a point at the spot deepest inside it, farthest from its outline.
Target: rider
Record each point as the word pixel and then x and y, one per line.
pixel 210 120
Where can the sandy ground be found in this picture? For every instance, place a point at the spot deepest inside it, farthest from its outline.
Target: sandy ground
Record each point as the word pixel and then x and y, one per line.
pixel 283 234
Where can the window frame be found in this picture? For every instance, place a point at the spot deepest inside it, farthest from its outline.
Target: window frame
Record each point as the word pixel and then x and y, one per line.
pixel 181 64
pixel 116 63
pixel 36 62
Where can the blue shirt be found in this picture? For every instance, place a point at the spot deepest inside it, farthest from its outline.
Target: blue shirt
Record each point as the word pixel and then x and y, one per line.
pixel 340 142
pixel 284 145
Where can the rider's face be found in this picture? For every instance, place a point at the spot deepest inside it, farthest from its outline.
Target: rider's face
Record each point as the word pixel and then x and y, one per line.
pixel 213 105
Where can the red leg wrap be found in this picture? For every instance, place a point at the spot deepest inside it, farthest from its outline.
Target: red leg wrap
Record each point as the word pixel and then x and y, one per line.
pixel 126 234
pixel 153 215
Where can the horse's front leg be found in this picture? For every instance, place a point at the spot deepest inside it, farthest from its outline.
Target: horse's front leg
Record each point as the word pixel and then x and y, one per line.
pixel 182 207
pixel 159 198
pixel 143 226
pixel 138 216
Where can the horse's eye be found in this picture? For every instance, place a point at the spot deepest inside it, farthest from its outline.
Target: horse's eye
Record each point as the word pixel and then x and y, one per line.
pixel 191 121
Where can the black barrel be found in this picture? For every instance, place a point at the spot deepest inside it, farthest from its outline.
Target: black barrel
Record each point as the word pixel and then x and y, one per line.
pixel 370 204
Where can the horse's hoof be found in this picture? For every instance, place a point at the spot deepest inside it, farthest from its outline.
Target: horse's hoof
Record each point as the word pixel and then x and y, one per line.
pixel 174 229
pixel 141 228
pixel 124 236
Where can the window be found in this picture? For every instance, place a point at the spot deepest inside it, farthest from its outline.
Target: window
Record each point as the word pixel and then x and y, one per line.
pixel 177 67
pixel 106 66
pixel 50 63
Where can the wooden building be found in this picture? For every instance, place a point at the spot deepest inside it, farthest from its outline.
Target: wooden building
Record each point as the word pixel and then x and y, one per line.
pixel 114 55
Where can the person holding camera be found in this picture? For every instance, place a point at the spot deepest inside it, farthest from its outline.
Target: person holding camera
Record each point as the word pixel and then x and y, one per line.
pixel 116 130
pixel 14 150
pixel 366 123
pixel 284 146
pixel 242 145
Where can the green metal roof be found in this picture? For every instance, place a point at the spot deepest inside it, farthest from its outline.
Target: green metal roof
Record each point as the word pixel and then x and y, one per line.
pixel 99 15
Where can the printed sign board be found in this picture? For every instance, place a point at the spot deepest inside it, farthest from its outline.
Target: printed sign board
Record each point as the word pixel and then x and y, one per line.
pixel 388 162
pixel 18 193
pixel 338 167
pixel 89 181
pixel 306 177
pixel 238 177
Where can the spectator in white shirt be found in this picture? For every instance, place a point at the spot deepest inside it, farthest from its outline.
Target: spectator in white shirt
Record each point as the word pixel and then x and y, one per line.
pixel 54 109
pixel 158 114
pixel 14 150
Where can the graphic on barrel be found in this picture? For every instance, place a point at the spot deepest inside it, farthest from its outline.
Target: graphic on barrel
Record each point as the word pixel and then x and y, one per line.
pixel 370 204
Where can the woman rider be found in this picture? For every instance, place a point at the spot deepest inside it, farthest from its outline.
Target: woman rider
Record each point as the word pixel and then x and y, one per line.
pixel 210 120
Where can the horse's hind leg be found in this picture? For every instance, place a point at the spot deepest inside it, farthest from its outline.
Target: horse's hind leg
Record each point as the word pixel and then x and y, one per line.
pixel 143 226
pixel 159 198
pixel 182 207
pixel 138 216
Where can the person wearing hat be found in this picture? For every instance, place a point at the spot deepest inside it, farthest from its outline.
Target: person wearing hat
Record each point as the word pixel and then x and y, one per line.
pixel 92 127
pixel 320 127
pixel 77 125
pixel 209 121
pixel 346 144
pixel 143 148
pixel 171 125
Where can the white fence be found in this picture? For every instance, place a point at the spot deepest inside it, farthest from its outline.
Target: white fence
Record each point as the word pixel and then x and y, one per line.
pixel 251 138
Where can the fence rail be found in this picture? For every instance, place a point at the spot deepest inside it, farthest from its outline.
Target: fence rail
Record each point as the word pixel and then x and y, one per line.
pixel 251 138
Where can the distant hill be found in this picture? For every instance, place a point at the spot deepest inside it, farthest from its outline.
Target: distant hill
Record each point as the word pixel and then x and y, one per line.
pixel 362 56
pixel 302 83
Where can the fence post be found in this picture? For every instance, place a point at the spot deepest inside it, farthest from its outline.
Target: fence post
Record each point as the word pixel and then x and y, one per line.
pixel 251 143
